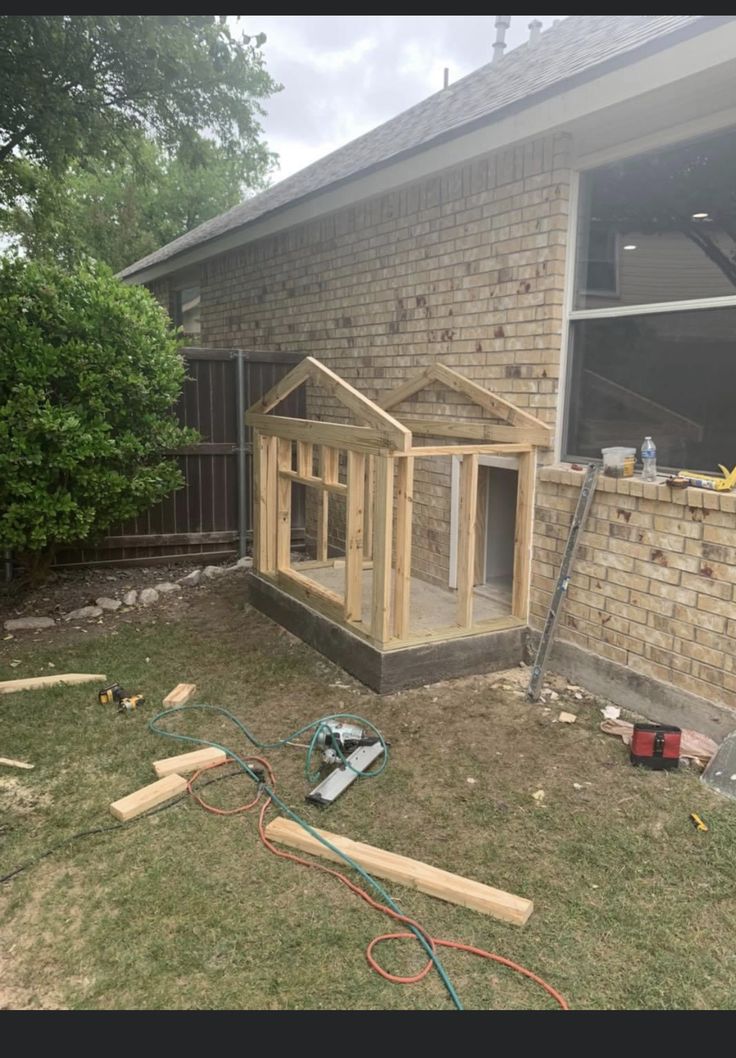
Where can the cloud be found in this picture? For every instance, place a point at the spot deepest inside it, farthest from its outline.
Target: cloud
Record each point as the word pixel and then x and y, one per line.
pixel 345 74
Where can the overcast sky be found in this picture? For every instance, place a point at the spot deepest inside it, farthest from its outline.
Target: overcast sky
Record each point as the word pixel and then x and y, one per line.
pixel 345 74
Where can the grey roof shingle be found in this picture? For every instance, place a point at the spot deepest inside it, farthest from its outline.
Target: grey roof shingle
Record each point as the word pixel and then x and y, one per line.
pixel 564 52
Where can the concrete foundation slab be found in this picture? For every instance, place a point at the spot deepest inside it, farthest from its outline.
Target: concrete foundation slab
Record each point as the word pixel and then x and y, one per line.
pixel 393 670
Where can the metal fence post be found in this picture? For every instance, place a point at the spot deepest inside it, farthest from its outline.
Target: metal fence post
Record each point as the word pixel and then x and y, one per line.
pixel 242 457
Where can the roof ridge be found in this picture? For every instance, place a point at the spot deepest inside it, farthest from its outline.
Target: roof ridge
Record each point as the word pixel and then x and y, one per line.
pixel 578 44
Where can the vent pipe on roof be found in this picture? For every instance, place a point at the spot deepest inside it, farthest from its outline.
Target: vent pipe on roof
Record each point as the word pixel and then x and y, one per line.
pixel 535 31
pixel 499 44
pixel 447 77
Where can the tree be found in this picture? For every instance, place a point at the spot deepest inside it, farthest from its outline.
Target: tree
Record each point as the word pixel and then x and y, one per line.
pixel 121 209
pixel 78 86
pixel 88 377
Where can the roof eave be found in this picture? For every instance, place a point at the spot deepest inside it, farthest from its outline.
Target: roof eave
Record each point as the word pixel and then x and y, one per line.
pixel 651 47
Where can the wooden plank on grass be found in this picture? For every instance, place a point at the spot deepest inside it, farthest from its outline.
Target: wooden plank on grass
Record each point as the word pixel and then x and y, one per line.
pixel 9 763
pixel 412 873
pixel 156 793
pixel 186 763
pixel 37 683
pixel 180 695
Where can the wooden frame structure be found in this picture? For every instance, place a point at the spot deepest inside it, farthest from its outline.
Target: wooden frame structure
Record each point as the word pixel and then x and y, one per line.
pixel 380 456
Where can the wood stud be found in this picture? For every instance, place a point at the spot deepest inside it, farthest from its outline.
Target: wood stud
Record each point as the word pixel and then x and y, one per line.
pixel 402 578
pixel 354 537
pixel 466 538
pixel 375 452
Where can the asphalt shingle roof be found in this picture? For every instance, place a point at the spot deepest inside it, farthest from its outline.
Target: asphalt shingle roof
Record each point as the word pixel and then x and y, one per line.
pixel 562 54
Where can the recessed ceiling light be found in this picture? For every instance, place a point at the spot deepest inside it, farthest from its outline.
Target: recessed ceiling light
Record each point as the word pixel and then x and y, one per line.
pixel 630 246
pixel 700 216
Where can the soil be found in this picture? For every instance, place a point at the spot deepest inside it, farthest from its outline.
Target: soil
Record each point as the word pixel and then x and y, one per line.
pixel 67 590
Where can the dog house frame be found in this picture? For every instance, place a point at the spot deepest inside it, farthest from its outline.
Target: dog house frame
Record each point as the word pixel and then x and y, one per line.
pixel 378 490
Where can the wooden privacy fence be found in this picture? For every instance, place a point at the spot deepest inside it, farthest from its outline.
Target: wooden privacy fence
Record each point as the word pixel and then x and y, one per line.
pixel 211 517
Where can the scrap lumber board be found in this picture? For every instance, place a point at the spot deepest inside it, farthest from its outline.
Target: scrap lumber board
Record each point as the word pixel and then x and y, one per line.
pixel 185 763
pixel 14 763
pixel 148 797
pixel 40 682
pixel 432 880
pixel 37 682
pixel 180 694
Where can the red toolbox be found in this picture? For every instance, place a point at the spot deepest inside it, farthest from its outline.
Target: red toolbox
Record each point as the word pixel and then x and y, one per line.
pixel 655 746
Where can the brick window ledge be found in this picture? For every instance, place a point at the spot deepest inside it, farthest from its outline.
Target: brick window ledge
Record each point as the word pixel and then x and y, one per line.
pixel 563 474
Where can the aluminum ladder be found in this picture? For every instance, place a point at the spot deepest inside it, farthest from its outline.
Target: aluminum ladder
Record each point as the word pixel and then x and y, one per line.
pixel 585 499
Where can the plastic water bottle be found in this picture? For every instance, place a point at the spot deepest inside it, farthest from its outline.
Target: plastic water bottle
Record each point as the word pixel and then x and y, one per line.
pixel 648 460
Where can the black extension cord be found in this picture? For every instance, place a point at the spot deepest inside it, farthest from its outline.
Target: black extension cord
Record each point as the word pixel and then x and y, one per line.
pixel 105 830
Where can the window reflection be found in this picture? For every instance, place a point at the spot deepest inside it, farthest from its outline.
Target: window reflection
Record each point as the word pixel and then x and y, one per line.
pixel 659 227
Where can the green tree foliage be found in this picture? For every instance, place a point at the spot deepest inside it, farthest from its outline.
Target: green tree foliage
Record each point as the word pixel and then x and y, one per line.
pixel 77 86
pixel 119 133
pixel 121 209
pixel 88 375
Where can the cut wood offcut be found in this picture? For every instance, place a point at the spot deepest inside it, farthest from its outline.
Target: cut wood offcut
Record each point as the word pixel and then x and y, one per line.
pixel 157 793
pixel 9 763
pixel 431 880
pixel 186 763
pixel 180 695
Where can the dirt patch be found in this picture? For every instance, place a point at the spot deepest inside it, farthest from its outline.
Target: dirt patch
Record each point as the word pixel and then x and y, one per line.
pixel 16 796
pixel 68 590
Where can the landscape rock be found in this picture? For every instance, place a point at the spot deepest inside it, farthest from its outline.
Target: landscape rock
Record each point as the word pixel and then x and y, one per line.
pixel 84 613
pixel 130 598
pixel 148 596
pixel 106 603
pixel 192 579
pixel 165 587
pixel 213 571
pixel 244 563
pixel 20 623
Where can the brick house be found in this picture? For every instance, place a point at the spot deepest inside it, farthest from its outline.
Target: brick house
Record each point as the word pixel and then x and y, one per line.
pixel 559 226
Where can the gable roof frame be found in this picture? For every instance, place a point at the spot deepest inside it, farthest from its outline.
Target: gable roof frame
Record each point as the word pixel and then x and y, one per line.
pixel 381 427
pixel 519 425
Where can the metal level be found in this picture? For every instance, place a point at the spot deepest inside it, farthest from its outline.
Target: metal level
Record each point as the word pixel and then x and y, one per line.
pixel 585 500
pixel 339 779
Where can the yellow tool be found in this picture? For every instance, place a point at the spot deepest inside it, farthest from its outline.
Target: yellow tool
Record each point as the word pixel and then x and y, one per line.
pixel 130 702
pixel 698 822
pixel 683 478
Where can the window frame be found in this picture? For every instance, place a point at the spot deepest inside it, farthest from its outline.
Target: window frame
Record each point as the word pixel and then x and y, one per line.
pixel 177 314
pixel 571 314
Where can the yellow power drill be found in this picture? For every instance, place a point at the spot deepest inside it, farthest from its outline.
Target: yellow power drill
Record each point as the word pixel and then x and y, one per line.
pixel 126 703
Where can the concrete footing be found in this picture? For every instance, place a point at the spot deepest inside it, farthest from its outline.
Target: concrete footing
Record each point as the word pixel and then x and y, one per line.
pixel 656 701
pixel 391 670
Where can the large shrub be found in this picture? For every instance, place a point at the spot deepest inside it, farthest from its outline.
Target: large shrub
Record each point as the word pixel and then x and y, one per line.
pixel 89 371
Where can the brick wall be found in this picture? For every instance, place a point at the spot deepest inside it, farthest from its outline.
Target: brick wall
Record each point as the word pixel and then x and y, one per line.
pixel 466 266
pixel 654 584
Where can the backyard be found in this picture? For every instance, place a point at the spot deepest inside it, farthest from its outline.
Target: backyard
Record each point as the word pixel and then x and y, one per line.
pixel 633 907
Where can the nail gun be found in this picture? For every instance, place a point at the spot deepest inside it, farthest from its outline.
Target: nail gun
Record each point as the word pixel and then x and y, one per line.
pixel 351 749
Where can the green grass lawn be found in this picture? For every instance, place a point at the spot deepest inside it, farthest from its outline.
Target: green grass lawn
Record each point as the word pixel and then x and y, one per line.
pixel 633 907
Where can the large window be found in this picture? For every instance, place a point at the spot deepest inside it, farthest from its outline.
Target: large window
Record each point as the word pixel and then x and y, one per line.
pixel 653 326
